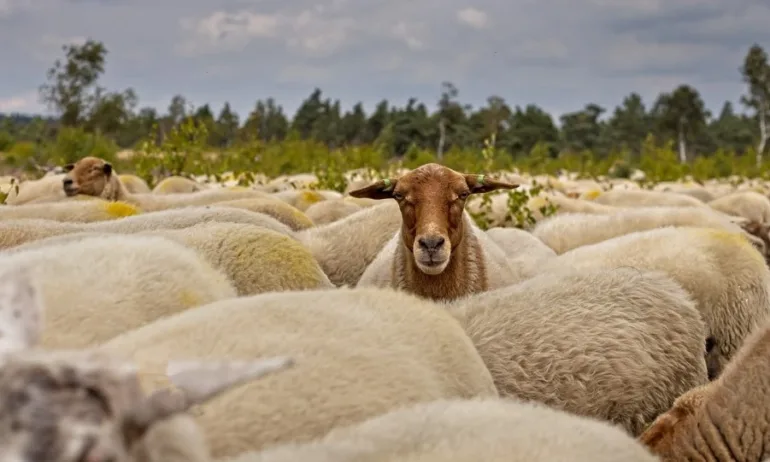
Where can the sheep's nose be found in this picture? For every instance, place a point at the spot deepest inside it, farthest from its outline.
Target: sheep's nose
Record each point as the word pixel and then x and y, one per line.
pixel 67 182
pixel 431 243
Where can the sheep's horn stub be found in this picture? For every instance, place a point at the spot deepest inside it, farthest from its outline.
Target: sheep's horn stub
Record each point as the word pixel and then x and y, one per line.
pixel 202 380
pixel 198 382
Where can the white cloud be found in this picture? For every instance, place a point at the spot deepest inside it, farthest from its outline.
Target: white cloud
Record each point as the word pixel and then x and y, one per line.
pixel 221 31
pixel 24 103
pixel 473 17
pixel 405 33
pixel 49 47
pixel 308 32
pixel 631 54
pixel 9 7
pixel 560 55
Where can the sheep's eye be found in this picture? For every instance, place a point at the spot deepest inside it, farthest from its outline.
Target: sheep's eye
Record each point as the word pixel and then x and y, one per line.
pixel 398 197
pixel 464 195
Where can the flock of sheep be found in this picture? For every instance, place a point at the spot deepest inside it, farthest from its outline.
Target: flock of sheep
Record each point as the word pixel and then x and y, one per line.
pixel 270 324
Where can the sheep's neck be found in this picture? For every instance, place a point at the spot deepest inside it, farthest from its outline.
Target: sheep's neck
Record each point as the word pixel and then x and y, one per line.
pixel 465 274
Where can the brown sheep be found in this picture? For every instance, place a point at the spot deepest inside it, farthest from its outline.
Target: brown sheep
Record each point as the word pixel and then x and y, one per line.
pixel 725 420
pixel 438 253
pixel 92 176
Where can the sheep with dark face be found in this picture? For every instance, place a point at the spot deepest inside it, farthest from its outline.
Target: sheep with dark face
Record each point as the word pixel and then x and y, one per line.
pixel 72 406
pixel 438 253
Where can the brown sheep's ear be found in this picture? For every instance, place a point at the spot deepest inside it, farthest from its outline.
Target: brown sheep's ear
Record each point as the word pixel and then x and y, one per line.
pixel 107 169
pixel 382 189
pixel 69 167
pixel 483 184
pixel 660 429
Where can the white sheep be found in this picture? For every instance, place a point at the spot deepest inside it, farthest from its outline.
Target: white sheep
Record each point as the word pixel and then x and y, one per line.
pixel 618 345
pixel 525 252
pixel 557 204
pixel 359 352
pixel 176 185
pixel 489 430
pixel 256 260
pixel 17 232
pixel 625 198
pixel 132 183
pixel 70 211
pixel 99 287
pixel 726 276
pixel 346 247
pixel 439 252
pixel 302 199
pixel 569 231
pixel 48 187
pixel 62 406
pixel 689 189
pixel 329 211
pixel 750 205
pixel 278 209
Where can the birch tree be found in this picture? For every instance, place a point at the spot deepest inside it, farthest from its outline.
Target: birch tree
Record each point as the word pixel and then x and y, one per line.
pixel 756 75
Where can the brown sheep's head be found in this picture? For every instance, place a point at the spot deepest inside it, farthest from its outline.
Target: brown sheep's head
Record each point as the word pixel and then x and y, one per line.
pixel 659 436
pixel 432 200
pixel 83 406
pixel 89 176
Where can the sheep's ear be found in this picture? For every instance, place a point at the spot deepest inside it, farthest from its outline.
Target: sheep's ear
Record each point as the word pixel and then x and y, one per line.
pixel 659 430
pixel 382 189
pixel 107 169
pixel 21 311
pixel 758 234
pixel 68 167
pixel 199 381
pixel 483 184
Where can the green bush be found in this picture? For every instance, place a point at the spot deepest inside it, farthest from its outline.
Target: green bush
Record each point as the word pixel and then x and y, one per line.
pixel 185 151
pixel 72 144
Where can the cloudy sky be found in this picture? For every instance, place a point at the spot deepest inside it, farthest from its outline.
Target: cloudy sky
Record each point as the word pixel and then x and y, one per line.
pixel 559 54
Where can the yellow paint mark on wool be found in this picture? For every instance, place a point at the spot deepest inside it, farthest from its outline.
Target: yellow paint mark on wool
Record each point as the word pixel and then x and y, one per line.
pixel 731 238
pixel 591 194
pixel 557 185
pixel 292 258
pixel 121 209
pixel 189 299
pixel 723 235
pixel 537 202
pixel 301 219
pixel 310 197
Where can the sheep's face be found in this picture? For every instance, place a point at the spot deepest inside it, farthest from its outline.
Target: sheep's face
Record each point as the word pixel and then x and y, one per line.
pixel 56 410
pixel 432 200
pixel 89 176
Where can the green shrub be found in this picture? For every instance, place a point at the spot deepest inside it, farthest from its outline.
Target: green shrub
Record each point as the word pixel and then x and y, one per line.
pixel 72 144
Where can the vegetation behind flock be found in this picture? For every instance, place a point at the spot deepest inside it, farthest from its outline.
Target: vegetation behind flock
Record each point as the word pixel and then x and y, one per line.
pixel 675 137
